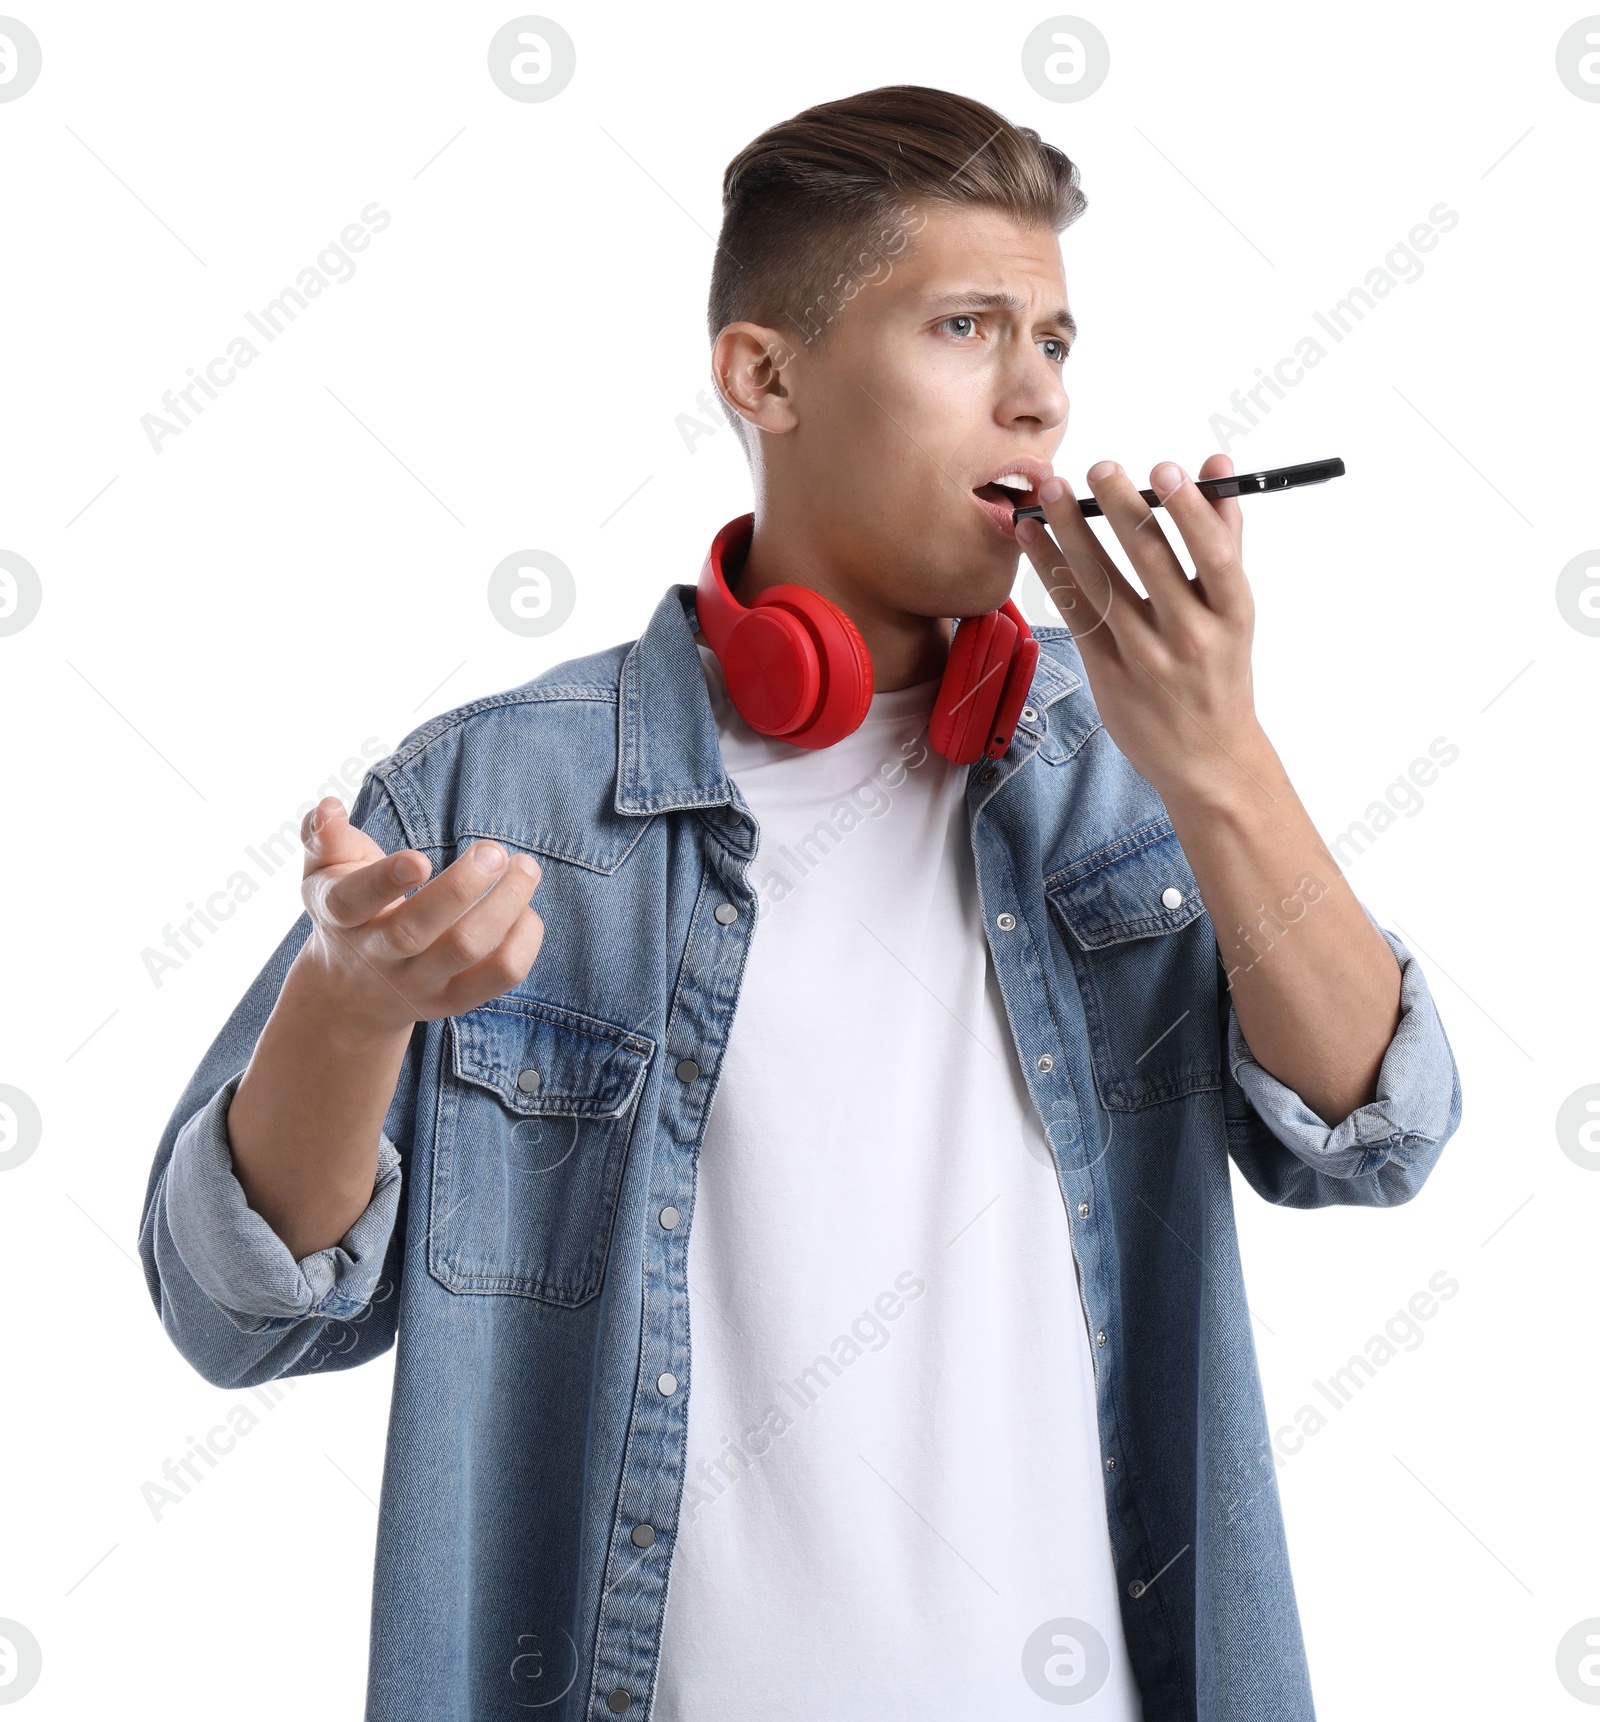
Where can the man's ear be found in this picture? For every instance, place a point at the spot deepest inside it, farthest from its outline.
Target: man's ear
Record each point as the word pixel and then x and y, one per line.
pixel 753 367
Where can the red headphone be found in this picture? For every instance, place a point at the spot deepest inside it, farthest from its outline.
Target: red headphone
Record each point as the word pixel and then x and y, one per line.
pixel 797 667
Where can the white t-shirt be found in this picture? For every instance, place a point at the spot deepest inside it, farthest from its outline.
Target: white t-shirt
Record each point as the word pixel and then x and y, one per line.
pixel 894 1473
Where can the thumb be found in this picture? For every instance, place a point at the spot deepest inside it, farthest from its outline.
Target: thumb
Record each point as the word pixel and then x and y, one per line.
pixel 330 839
pixel 318 817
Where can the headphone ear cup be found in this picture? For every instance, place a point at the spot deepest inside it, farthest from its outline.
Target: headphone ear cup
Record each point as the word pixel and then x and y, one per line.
pixel 860 683
pixel 769 661
pixel 802 669
pixel 949 715
pixel 974 679
pixel 1013 696
pixel 846 668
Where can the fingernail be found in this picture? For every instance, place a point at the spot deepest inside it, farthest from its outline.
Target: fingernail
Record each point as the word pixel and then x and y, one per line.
pixel 1052 490
pixel 1101 469
pixel 488 856
pixel 1027 530
pixel 1168 476
pixel 407 867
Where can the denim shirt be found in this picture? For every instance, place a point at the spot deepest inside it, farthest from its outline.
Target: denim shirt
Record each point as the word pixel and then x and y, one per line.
pixel 528 1231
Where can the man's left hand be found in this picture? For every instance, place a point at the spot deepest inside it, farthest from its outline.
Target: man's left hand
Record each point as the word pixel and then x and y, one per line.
pixel 1170 673
pixel 1316 988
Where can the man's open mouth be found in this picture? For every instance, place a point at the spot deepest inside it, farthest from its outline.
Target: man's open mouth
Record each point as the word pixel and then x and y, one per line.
pixel 1006 494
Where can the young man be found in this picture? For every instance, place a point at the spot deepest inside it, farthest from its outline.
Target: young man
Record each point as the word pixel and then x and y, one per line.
pixel 894 1008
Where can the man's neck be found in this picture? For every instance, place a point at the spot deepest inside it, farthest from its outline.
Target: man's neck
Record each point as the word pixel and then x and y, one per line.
pixel 905 649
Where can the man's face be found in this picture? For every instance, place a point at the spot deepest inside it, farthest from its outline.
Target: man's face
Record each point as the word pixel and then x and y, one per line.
pixel 917 396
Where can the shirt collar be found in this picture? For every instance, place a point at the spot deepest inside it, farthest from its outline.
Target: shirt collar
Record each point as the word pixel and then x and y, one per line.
pixel 668 754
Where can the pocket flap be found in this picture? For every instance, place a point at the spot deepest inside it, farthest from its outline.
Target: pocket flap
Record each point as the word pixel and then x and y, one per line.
pixel 1125 891
pixel 540 1058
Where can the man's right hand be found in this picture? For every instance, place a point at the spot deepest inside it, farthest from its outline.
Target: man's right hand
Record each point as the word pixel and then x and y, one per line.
pixel 385 961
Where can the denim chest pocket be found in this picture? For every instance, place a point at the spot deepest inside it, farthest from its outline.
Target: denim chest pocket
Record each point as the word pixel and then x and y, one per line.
pixel 1145 959
pixel 534 1121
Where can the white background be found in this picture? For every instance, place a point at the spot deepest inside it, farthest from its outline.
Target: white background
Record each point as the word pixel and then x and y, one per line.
pixel 304 568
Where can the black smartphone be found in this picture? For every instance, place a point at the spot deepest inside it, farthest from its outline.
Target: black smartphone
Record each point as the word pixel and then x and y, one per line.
pixel 1238 484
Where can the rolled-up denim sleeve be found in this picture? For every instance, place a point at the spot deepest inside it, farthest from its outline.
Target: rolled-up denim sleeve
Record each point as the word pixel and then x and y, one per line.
pixel 236 1258
pixel 229 1293
pixel 1378 1155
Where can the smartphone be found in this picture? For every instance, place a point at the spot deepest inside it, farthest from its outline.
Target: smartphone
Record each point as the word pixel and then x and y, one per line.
pixel 1238 484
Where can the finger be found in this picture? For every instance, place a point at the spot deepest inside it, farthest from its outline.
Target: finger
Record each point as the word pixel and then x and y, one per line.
pixel 1226 588
pixel 1140 534
pixel 362 895
pixel 1071 557
pixel 331 840
pixel 1226 507
pixel 351 896
pixel 471 943
pixel 1082 616
pixel 414 926
pixel 503 968
pixel 318 816
pixel 1212 543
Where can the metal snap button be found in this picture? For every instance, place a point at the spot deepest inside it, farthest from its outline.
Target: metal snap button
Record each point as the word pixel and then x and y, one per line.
pixel 726 914
pixel 687 1069
pixel 1006 921
pixel 666 1384
pixel 1046 1061
pixel 1083 1210
pixel 670 1218
pixel 529 1081
pixel 643 1536
pixel 1172 898
pixel 1029 713
pixel 617 1701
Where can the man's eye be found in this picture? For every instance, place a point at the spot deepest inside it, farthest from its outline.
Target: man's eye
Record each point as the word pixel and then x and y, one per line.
pixel 960 317
pixel 1062 349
